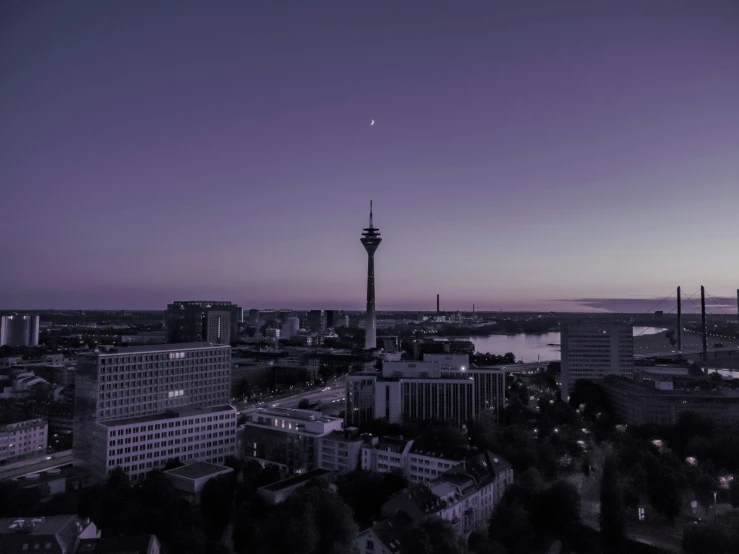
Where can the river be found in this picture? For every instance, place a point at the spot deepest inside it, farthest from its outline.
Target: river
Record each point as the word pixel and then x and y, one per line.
pixel 531 348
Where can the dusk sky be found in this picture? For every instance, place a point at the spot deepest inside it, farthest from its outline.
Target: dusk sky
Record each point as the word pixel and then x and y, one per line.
pixel 523 152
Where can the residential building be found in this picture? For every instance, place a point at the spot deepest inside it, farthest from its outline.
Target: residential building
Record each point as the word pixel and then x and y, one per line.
pixel 137 544
pixel 23 439
pixel 196 321
pixel 153 403
pixel 288 438
pixel 464 496
pixel 639 402
pixel 19 330
pixel 385 536
pixel 278 492
pixel 591 350
pixel 340 451
pixel 191 478
pixel 54 534
pixel 387 455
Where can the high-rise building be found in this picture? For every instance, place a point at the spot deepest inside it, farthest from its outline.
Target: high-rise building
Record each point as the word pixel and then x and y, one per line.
pixel 371 241
pixel 318 321
pixel 591 350
pixel 19 330
pixel 290 328
pixel 197 321
pixel 139 407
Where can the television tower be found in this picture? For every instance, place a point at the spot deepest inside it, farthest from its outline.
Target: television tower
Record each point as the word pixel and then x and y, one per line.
pixel 371 240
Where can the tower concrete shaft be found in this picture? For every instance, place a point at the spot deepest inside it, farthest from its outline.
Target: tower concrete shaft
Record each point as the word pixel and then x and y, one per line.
pixel 371 240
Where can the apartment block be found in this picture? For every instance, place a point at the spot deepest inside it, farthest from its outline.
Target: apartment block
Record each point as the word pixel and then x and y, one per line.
pixel 22 440
pixel 464 496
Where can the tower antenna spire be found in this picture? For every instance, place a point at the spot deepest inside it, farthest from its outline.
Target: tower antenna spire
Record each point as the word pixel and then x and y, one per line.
pixel 370 214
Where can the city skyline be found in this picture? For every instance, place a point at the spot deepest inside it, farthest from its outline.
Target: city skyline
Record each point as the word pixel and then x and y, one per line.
pixel 519 155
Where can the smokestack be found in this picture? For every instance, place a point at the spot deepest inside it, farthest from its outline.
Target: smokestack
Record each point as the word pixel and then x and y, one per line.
pixel 437 305
pixel 737 300
pixel 703 323
pixel 679 321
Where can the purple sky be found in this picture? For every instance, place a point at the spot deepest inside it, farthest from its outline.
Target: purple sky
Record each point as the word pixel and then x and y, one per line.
pixel 152 151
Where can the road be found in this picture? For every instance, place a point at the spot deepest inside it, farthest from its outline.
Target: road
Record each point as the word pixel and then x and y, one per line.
pixel 333 393
pixel 24 467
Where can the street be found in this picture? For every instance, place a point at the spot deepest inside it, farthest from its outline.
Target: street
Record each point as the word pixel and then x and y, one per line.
pixel 23 467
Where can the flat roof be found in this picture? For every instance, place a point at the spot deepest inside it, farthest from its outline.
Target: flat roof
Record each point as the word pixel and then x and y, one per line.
pixel 123 350
pixel 174 413
pixel 295 480
pixel 198 470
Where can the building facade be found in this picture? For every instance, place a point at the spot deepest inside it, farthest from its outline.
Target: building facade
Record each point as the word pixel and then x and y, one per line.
pixel 339 451
pixel 386 455
pixel 22 440
pixel 290 327
pixel 639 403
pixel 447 390
pixel 464 496
pixel 19 330
pixel 318 321
pixel 287 438
pixel 591 350
pixel 128 396
pixel 196 321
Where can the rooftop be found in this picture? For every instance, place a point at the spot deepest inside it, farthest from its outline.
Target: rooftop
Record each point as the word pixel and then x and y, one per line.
pixel 140 544
pixel 198 470
pixel 34 534
pixel 391 531
pixel 185 411
pixel 296 480
pixel 436 450
pixel 144 349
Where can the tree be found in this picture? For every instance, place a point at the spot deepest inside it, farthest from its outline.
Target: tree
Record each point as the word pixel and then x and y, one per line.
pixel 216 502
pixel 311 521
pixel 432 536
pixel 531 479
pixel 173 463
pixel 734 492
pixel 663 490
pixel 511 523
pixel 558 509
pixel 479 543
pixel 706 537
pixel 612 513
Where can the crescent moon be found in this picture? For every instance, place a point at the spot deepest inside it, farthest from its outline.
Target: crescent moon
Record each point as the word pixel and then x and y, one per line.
pixel 372 122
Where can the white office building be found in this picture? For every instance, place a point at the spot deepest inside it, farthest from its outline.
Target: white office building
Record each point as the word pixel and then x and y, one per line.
pixel 288 438
pixel 443 388
pixel 339 451
pixel 591 350
pixel 139 407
